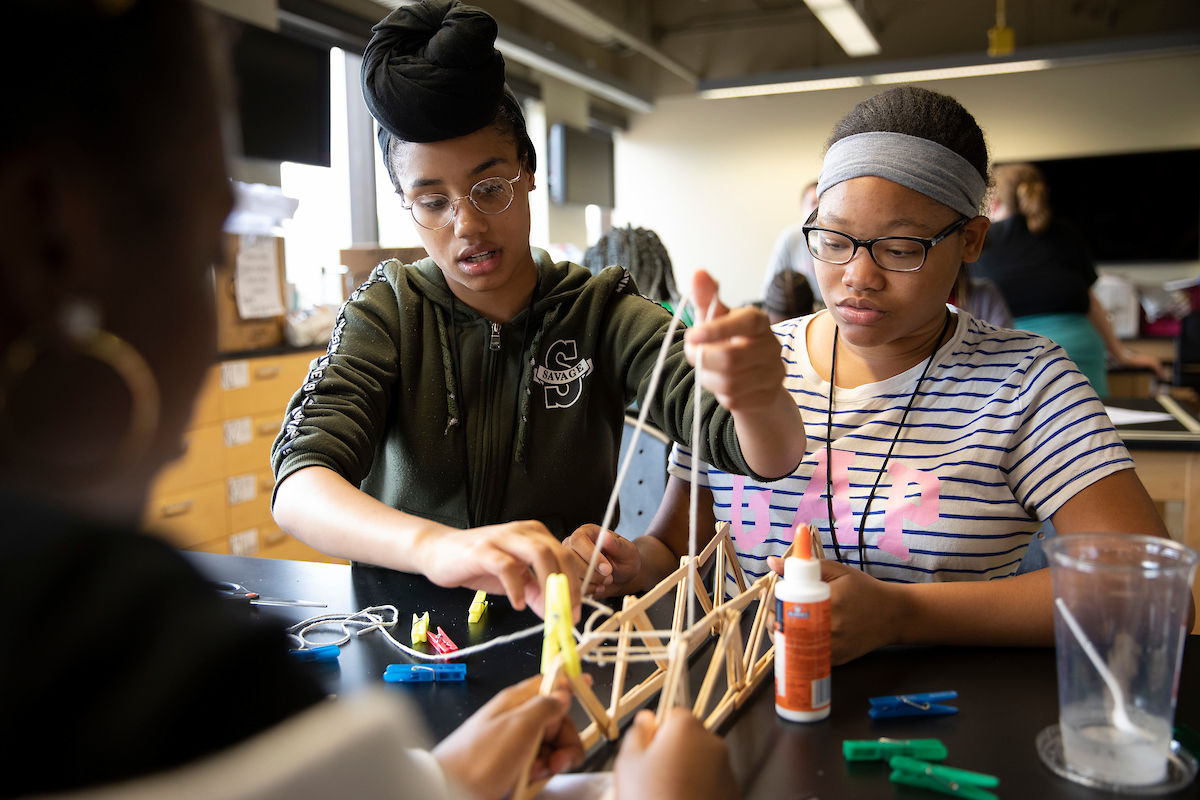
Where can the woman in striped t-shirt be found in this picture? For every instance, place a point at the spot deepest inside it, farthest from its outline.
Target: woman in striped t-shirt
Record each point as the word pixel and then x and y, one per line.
pixel 951 440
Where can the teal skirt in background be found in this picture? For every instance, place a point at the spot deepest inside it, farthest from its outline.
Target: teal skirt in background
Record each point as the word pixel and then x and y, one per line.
pixel 1073 333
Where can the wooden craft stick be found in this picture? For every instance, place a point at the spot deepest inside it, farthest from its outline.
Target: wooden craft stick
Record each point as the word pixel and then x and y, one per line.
pixel 649 598
pixel 589 736
pixel 618 687
pixel 735 672
pixel 591 704
pixel 719 660
pixel 643 624
pixel 523 791
pixel 702 596
pixel 641 693
pixel 680 602
pixel 731 554
pixel 718 595
pixel 759 627
pixel 674 685
pixel 738 604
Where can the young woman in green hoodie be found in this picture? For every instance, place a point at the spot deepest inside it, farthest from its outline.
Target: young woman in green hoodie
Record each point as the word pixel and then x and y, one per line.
pixel 468 414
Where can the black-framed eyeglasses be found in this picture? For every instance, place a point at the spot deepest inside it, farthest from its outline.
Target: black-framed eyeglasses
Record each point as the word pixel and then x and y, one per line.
pixel 893 253
pixel 436 211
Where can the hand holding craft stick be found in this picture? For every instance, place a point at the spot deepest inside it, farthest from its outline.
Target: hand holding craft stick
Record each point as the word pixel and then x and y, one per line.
pixel 742 368
pixel 675 761
pixel 488 750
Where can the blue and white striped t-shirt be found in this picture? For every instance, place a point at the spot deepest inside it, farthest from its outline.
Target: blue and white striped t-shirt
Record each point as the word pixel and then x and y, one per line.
pixel 1005 430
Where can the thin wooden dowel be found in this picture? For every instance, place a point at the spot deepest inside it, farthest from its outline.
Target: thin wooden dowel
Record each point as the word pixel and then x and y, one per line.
pixel 523 791
pixel 739 575
pixel 618 687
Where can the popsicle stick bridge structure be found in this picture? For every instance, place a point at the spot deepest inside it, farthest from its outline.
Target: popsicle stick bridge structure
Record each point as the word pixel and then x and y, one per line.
pixel 738 663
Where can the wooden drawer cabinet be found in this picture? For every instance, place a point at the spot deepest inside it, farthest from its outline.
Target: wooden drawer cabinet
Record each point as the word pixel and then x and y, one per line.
pixel 266 542
pixel 257 385
pixel 249 498
pixel 216 498
pixel 201 462
pixel 216 546
pixel 207 409
pixel 248 441
pixel 277 544
pixel 187 517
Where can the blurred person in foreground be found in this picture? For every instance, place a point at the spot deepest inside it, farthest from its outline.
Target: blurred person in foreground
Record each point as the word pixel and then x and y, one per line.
pixel 112 196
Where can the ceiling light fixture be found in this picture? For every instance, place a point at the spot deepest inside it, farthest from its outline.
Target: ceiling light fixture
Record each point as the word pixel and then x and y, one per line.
pixel 959 66
pixel 845 24
pixel 783 88
pixel 970 71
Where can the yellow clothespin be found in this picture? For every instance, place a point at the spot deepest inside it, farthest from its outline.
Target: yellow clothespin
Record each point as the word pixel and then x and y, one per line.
pixel 420 628
pixel 478 606
pixel 559 636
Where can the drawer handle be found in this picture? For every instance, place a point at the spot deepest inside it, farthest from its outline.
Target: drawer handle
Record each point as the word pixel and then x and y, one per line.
pixel 265 373
pixel 267 484
pixel 274 537
pixel 176 509
pixel 269 428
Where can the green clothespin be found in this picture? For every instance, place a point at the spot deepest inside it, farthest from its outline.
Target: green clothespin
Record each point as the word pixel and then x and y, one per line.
pixel 947 780
pixel 883 749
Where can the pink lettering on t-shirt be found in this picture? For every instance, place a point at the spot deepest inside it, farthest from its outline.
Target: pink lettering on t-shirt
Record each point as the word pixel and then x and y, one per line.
pixel 899 509
pixel 813 504
pixel 760 505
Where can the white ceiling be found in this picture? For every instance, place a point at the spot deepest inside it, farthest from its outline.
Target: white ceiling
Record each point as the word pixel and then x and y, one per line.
pixel 653 48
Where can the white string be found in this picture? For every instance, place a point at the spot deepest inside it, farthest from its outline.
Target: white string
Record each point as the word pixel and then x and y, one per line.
pixel 637 432
pixel 370 619
pixel 380 618
pixel 694 489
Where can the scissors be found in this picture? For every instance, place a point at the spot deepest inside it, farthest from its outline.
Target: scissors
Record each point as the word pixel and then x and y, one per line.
pixel 235 591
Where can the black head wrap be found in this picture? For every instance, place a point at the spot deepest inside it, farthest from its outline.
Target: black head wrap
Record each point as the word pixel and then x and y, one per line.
pixel 431 72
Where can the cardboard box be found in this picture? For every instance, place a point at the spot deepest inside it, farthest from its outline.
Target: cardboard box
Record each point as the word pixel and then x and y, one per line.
pixel 361 260
pixel 235 334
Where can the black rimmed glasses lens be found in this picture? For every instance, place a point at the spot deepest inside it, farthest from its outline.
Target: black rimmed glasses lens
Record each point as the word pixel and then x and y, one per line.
pixel 436 211
pixel 893 253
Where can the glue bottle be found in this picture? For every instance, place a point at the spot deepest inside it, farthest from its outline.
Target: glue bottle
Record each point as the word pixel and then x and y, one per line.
pixel 802 619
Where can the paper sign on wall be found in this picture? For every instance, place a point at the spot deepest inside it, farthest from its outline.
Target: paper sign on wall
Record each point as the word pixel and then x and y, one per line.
pixel 257 278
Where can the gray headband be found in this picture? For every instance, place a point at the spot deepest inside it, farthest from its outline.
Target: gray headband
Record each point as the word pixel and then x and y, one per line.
pixel 923 166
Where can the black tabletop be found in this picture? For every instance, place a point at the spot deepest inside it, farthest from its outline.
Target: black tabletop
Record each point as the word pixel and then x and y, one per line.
pixel 1006 696
pixel 1179 433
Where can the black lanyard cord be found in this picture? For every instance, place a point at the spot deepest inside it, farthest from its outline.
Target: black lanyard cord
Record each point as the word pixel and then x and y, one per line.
pixel 862 525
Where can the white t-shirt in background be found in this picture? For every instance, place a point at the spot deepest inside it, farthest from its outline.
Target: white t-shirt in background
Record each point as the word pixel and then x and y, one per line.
pixel 1005 430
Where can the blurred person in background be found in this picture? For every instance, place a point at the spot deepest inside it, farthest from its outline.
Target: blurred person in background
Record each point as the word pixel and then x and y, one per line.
pixel 788 297
pixel 790 253
pixel 1042 267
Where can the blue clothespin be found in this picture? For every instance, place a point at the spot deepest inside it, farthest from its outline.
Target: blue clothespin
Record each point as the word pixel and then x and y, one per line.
pixel 423 673
pixel 328 652
pixel 912 705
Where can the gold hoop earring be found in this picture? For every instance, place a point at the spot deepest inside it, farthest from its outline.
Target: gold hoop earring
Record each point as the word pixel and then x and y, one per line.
pixel 87 339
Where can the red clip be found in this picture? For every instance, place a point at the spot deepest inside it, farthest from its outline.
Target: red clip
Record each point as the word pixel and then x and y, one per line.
pixel 441 642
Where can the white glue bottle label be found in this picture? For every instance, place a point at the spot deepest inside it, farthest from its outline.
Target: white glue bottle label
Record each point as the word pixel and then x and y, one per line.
pixel 802 635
